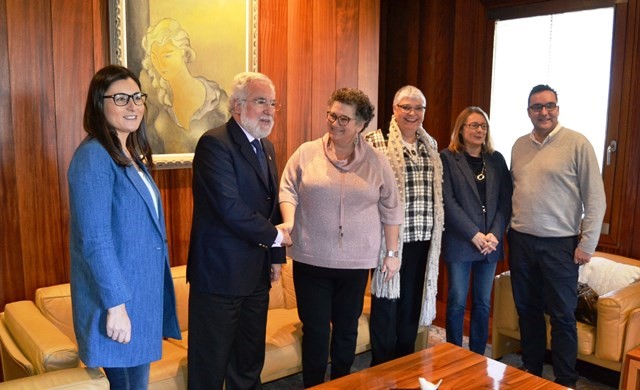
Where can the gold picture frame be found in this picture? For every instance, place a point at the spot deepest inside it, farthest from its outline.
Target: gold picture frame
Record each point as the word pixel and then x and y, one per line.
pixel 216 39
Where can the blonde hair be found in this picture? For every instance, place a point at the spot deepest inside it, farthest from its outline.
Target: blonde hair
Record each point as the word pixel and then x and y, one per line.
pixel 166 30
pixel 457 142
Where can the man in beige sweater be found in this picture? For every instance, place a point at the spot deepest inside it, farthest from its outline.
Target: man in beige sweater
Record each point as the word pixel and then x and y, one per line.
pixel 558 207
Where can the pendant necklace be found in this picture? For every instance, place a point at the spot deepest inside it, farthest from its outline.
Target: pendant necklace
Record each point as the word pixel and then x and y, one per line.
pixel 480 176
pixel 412 149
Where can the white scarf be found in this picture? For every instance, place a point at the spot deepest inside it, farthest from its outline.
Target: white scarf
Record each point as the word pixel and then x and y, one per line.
pixel 391 289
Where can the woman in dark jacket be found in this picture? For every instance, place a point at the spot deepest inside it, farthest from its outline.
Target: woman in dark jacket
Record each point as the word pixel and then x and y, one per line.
pixel 477 206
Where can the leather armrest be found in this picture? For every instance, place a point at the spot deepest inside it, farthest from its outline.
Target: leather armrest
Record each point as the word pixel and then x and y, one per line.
pixel 632 337
pixel 14 363
pixel 73 378
pixel 614 309
pixel 44 345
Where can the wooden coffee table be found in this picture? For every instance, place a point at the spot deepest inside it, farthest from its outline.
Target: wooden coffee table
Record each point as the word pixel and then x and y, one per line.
pixel 457 367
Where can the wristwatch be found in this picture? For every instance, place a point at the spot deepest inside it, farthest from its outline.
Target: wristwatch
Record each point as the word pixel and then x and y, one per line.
pixel 392 253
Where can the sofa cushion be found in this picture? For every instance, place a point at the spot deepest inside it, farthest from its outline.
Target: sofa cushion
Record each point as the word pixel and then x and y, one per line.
pixel 505 315
pixel 586 339
pixel 167 373
pixel 288 288
pixel 55 304
pixel 283 344
pixel 39 340
pixel 181 288
pixel 604 275
pixel 276 295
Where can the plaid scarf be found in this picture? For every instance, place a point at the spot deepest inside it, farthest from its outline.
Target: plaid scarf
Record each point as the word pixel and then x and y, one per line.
pixel 393 149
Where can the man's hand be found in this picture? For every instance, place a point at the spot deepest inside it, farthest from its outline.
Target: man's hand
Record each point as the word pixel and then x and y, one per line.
pixel 286 228
pixel 581 257
pixel 286 238
pixel 118 324
pixel 276 270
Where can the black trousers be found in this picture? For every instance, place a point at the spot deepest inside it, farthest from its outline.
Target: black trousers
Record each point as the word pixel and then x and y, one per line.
pixel 329 303
pixel 227 339
pixel 544 279
pixel 394 322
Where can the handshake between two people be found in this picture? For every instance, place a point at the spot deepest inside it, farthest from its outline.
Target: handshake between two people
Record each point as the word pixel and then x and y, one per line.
pixel 286 228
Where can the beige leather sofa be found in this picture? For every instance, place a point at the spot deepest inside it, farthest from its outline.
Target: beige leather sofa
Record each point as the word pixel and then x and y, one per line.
pixel 616 333
pixel 37 337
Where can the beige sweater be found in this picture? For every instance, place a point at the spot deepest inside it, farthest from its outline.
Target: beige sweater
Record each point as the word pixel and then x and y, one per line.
pixel 340 207
pixel 557 188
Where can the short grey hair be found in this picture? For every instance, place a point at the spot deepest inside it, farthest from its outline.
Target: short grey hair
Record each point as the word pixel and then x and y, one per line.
pixel 409 91
pixel 240 86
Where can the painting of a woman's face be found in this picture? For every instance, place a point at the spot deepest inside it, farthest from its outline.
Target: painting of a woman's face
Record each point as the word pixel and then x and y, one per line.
pixel 167 59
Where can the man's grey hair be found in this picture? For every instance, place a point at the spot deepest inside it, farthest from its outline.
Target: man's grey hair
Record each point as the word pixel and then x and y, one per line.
pixel 240 86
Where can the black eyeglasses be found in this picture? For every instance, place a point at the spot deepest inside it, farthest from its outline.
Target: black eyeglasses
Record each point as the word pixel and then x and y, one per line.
pixel 406 108
pixel 263 103
pixel 475 125
pixel 343 120
pixel 122 99
pixel 538 107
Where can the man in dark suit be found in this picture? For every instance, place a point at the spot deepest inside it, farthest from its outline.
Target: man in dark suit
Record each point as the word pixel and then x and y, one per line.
pixel 236 247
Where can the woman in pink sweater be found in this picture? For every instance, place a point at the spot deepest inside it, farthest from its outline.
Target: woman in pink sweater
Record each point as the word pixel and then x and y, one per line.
pixel 337 196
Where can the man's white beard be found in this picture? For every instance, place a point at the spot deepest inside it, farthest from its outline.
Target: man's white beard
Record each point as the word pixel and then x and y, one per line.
pixel 253 126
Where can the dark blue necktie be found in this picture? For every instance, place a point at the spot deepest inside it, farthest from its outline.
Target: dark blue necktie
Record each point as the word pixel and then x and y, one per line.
pixel 261 157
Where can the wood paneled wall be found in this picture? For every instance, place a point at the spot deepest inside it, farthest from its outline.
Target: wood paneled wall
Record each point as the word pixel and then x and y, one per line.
pixel 445 49
pixel 49 50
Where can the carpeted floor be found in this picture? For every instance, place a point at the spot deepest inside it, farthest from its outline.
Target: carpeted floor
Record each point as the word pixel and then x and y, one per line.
pixel 592 377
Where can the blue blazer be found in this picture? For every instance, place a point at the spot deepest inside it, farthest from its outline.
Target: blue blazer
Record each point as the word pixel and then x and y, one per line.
pixel 119 254
pixel 235 209
pixel 463 214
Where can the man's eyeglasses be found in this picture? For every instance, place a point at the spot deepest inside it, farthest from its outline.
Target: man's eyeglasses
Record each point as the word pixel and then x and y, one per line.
pixel 122 99
pixel 264 103
pixel 343 120
pixel 538 107
pixel 475 125
pixel 406 108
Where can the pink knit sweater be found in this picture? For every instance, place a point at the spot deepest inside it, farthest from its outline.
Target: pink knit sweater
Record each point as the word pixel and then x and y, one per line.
pixel 340 207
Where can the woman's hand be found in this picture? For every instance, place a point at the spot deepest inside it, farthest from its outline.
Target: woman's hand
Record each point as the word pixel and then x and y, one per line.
pixel 118 324
pixel 480 241
pixel 492 243
pixel 390 267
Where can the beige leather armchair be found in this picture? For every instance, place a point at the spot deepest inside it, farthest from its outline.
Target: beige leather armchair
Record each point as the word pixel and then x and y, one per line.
pixel 617 331
pixel 68 379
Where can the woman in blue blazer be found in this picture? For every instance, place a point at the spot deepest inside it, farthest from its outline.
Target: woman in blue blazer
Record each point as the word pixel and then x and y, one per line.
pixel 477 206
pixel 121 287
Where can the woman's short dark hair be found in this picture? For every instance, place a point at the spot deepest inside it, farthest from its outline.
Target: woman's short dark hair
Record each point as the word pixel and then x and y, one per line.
pixel 96 125
pixel 356 98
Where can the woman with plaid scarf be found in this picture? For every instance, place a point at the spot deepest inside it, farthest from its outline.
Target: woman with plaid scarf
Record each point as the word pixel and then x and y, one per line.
pixel 399 306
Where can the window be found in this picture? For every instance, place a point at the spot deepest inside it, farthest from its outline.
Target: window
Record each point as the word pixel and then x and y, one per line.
pixel 572 53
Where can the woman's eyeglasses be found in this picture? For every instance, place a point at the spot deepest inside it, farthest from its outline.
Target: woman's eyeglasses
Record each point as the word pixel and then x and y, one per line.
pixel 122 99
pixel 343 120
pixel 476 125
pixel 407 108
